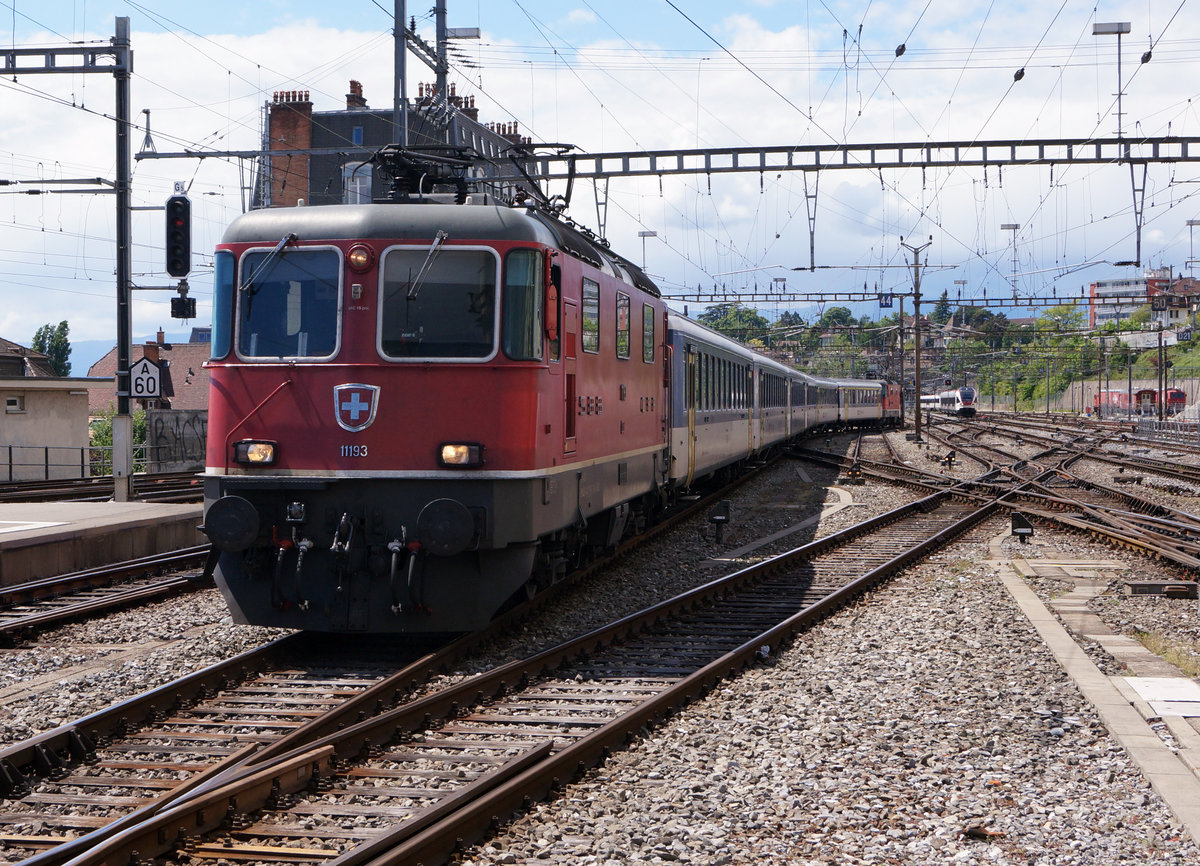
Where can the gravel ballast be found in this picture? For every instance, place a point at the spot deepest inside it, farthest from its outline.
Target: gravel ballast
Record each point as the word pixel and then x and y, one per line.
pixel 926 724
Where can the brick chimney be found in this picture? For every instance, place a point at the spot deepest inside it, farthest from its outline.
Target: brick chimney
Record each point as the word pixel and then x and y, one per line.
pixel 290 128
pixel 354 99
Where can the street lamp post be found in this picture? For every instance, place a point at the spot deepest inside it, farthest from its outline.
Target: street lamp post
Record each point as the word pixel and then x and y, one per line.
pixel 1116 28
pixel 1013 227
pixel 643 235
pixel 1191 224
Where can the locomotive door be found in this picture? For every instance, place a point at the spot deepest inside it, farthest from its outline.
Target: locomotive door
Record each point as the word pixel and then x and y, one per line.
pixel 570 356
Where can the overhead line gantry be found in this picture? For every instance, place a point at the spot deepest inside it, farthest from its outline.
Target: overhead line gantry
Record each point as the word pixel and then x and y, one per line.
pixel 546 163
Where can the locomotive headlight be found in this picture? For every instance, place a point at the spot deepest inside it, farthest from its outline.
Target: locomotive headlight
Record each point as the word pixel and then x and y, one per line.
pixel 360 258
pixel 254 452
pixel 461 454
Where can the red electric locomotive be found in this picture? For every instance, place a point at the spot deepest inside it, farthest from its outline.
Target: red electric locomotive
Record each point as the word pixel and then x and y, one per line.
pixel 419 408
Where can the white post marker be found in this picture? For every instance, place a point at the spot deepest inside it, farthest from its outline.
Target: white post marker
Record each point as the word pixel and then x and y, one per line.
pixel 145 380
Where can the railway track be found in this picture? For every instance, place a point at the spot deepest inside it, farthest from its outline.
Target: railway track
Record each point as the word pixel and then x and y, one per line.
pixel 436 768
pixel 1049 490
pixel 34 606
pixel 158 487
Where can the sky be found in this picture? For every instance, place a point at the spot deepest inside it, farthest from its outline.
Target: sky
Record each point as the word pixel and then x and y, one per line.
pixel 618 76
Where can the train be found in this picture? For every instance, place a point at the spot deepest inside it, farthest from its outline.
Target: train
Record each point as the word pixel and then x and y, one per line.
pixel 956 401
pixel 1145 402
pixel 424 409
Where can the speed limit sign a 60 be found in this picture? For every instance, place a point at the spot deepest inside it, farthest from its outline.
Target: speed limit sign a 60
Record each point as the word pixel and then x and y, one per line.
pixel 144 380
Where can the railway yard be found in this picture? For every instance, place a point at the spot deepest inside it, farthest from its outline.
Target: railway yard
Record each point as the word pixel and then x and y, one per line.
pixel 942 716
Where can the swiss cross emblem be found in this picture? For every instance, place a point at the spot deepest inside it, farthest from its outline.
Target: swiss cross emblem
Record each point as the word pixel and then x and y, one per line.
pixel 354 406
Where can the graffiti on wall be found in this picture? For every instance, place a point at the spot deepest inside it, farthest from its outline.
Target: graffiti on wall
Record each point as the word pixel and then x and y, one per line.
pixel 175 439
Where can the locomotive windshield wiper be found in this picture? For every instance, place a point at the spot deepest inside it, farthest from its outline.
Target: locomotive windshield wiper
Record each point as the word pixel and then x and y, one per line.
pixel 265 265
pixel 438 239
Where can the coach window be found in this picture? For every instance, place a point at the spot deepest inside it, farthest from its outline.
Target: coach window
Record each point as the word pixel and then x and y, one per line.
pixel 623 325
pixel 647 333
pixel 222 316
pixel 438 302
pixel 591 316
pixel 288 303
pixel 521 320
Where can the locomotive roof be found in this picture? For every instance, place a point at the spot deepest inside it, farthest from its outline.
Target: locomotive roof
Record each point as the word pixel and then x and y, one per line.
pixel 350 221
pixel 460 222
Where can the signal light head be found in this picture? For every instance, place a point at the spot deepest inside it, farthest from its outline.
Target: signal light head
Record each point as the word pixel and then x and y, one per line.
pixel 179 236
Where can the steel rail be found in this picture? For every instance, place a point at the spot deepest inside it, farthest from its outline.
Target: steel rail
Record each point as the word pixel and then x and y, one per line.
pixel 54 750
pixel 50 599
pixel 201 812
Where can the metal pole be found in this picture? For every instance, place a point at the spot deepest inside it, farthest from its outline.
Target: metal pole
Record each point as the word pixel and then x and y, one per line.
pixel 1129 385
pixel 901 361
pixel 1161 374
pixel 1120 88
pixel 916 251
pixel 123 421
pixel 992 375
pixel 1047 375
pixel 400 84
pixel 443 87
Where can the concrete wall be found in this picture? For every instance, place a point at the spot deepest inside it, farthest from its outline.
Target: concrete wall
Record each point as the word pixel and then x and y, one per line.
pixel 175 439
pixel 47 425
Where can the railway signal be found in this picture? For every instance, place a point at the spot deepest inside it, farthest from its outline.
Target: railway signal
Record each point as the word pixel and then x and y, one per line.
pixel 179 235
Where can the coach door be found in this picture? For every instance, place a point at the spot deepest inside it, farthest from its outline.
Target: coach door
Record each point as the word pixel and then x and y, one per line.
pixel 690 393
pixel 751 410
pixel 570 356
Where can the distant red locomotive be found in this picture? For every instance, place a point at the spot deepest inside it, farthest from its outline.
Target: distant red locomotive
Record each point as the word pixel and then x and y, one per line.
pixel 1146 401
pixel 419 409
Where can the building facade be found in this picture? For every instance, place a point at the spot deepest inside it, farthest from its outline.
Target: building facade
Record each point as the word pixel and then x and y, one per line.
pixel 336 168
pixel 1171 299
pixel 44 426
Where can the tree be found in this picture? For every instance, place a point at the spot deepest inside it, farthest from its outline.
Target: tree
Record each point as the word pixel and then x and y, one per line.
pixel 941 310
pixel 52 341
pixel 734 320
pixel 836 317
pixel 100 436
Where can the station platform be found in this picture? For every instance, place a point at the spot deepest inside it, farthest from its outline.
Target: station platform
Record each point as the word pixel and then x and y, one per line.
pixel 44 539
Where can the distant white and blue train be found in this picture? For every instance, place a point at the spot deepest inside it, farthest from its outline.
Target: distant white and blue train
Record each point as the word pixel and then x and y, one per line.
pixel 956 401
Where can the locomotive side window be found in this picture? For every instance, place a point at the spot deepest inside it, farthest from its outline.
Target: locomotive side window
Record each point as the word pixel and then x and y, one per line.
pixel 438 302
pixel 623 325
pixel 648 333
pixel 591 316
pixel 288 304
pixel 223 288
pixel 522 298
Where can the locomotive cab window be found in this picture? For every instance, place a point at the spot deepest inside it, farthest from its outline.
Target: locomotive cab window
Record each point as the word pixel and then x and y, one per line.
pixel 288 303
pixel 522 299
pixel 623 325
pixel 438 302
pixel 647 333
pixel 591 316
